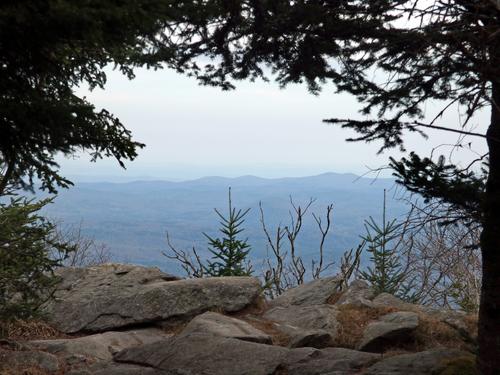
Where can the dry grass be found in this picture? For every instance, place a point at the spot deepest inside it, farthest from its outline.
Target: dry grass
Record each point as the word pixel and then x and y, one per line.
pixel 353 321
pixel 15 367
pixel 175 329
pixel 471 321
pixel 433 333
pixel 430 333
pixel 334 298
pixel 25 330
pixel 268 327
pixel 18 331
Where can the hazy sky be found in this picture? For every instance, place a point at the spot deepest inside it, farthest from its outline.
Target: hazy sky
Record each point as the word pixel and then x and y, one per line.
pixel 192 131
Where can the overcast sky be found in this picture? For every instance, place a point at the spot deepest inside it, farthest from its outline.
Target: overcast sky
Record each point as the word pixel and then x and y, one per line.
pixel 192 131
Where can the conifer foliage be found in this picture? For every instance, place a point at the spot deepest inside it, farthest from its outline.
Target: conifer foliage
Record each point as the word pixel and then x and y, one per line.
pixel 229 253
pixel 28 243
pixel 386 274
pixel 49 48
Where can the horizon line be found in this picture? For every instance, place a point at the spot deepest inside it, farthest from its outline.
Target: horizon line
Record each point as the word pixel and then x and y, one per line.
pixel 116 179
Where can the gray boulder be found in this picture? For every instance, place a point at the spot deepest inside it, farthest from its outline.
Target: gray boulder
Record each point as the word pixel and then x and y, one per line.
pixel 99 347
pixel 314 326
pixel 336 361
pixel 391 330
pixel 112 296
pixel 203 354
pixel 303 337
pixel 316 292
pixel 116 274
pixel 313 317
pixel 225 326
pixel 422 363
pixel 359 293
pixel 19 362
pixel 206 354
pixel 112 368
pixel 454 318
pixel 388 300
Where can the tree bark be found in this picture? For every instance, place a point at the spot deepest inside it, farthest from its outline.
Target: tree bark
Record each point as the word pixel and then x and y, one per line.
pixel 489 310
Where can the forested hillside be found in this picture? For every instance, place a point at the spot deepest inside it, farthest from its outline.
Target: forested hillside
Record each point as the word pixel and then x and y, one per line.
pixel 133 218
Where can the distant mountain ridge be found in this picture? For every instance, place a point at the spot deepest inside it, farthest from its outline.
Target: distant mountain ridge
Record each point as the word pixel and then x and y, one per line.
pixel 132 218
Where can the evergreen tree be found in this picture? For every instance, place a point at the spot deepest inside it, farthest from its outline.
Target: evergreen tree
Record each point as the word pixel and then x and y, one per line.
pixel 229 252
pixel 49 48
pixel 386 274
pixel 28 243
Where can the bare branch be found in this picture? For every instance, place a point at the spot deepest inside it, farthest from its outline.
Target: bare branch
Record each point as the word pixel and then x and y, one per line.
pixel 317 270
pixel 191 264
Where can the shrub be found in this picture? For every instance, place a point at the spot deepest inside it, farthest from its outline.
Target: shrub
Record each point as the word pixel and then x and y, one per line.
pixel 27 243
pixel 386 274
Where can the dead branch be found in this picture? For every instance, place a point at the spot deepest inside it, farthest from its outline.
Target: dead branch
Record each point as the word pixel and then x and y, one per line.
pixel 190 262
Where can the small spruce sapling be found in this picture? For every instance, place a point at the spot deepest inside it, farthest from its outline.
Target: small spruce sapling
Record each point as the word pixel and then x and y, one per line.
pixel 386 273
pixel 229 253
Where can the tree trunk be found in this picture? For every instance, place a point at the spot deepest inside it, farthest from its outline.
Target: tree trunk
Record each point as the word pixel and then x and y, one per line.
pixel 489 310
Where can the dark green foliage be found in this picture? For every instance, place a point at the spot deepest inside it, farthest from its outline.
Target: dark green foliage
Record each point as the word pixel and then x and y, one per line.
pixel 48 49
pixel 459 189
pixel 229 252
pixel 386 273
pixel 28 243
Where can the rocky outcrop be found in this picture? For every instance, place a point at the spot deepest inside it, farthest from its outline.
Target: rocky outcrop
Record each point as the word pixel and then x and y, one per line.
pixel 304 337
pixel 359 293
pixel 390 330
pixel 202 354
pixel 225 326
pixel 388 300
pixel 99 347
pixel 422 363
pixel 314 326
pixel 156 324
pixel 113 368
pixel 317 292
pixel 333 361
pixel 19 362
pixel 114 296
pixel 311 317
pixel 454 318
pixel 206 354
